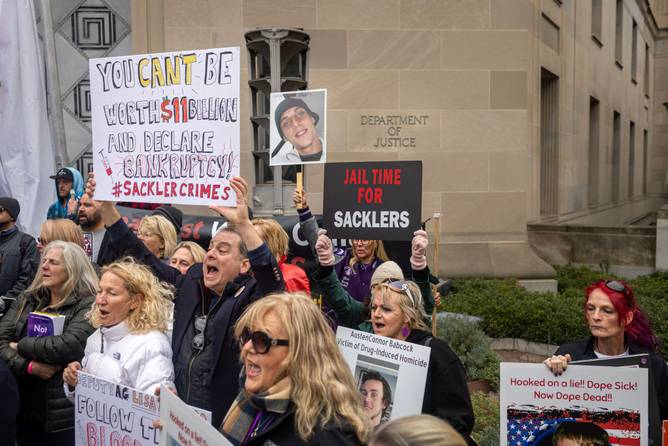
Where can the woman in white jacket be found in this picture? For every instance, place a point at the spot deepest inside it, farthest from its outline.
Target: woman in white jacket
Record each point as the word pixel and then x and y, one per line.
pixel 132 314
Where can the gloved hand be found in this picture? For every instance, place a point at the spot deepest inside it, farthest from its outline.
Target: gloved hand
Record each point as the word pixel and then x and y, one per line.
pixel 419 250
pixel 324 249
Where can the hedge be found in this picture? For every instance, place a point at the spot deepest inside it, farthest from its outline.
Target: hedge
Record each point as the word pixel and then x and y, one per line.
pixel 509 310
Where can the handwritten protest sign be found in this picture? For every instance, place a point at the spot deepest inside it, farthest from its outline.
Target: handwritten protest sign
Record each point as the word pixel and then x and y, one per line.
pixel 183 426
pixel 402 367
pixel 534 402
pixel 298 127
pixel 166 126
pixel 106 413
pixel 380 200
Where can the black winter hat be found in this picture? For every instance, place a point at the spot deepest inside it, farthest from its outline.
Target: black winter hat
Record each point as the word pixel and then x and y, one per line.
pixel 12 206
pixel 174 215
pixel 289 103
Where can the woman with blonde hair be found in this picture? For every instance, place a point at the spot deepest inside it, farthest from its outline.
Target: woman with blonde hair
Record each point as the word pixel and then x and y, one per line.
pixel 65 285
pixel 158 235
pixel 131 313
pixel 185 255
pixel 296 388
pixel 59 229
pixel 417 430
pixel 277 240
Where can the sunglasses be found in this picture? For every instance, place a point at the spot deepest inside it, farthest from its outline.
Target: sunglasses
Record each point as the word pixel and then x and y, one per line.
pixel 616 286
pixel 400 286
pixel 198 339
pixel 260 340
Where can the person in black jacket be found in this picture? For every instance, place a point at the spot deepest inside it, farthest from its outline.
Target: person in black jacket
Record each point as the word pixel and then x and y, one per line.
pixel 19 257
pixel 618 328
pixel 209 300
pixel 65 284
pixel 296 387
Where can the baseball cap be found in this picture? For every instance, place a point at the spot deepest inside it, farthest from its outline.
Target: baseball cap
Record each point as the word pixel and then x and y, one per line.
pixel 63 173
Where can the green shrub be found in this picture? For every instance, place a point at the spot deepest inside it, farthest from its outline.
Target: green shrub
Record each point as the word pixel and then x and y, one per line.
pixel 486 409
pixel 509 310
pixel 472 346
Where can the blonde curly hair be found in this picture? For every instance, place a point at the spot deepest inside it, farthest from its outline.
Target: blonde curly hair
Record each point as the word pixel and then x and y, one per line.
pixel 323 389
pixel 155 306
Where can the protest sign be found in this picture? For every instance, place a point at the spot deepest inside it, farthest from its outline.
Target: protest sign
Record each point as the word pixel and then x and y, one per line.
pixel 106 413
pixel 166 126
pixel 534 402
pixel 379 200
pixel 401 365
pixel 298 127
pixel 183 426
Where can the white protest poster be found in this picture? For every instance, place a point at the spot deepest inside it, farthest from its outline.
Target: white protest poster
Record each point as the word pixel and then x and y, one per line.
pixel 601 401
pixel 183 426
pixel 106 413
pixel 166 126
pixel 390 374
pixel 298 127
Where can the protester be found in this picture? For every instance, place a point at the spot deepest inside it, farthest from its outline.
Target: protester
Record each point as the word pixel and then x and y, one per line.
pixel 296 387
pixel 296 124
pixel 209 300
pixel 377 397
pixel 186 254
pixel 158 235
pixel 65 284
pixel 59 229
pixel 273 234
pixel 397 312
pixel 417 430
pixel 10 404
pixel 132 312
pixel 90 222
pixel 618 328
pixel 69 189
pixel 18 252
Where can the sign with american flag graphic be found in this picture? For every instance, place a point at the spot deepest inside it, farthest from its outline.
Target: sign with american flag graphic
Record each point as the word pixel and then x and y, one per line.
pixel 610 402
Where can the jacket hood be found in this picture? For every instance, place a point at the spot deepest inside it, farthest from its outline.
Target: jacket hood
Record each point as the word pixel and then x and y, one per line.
pixel 77 184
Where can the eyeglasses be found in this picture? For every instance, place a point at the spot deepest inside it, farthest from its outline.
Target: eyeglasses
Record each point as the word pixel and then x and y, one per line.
pixel 198 339
pixel 400 286
pixel 42 241
pixel 260 340
pixel 616 286
pixel 145 234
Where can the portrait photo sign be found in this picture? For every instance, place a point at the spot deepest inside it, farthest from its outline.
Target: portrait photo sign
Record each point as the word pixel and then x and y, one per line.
pixel 166 126
pixel 535 403
pixel 375 200
pixel 298 127
pixel 107 413
pixel 402 367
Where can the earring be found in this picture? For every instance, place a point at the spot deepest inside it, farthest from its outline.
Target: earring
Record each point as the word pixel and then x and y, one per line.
pixel 405 331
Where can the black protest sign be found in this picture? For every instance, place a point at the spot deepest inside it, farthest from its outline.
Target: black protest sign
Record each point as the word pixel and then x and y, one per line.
pixel 378 200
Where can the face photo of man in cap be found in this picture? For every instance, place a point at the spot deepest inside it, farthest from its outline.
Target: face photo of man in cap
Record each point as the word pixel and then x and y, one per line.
pixel 298 122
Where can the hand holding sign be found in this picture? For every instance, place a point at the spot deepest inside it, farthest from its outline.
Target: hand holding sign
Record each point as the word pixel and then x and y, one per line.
pixel 324 248
pixel 70 373
pixel 236 215
pixel 419 250
pixel 558 363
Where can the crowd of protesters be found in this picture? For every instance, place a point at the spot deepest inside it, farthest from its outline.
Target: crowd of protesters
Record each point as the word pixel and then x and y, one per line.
pixel 235 329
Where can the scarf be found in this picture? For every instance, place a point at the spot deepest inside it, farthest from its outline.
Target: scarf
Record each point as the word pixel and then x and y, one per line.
pixel 251 414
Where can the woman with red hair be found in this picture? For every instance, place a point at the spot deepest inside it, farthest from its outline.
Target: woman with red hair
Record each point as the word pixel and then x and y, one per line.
pixel 618 328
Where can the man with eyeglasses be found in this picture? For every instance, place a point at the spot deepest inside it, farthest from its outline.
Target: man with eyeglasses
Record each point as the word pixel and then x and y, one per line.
pixel 19 257
pixel 209 300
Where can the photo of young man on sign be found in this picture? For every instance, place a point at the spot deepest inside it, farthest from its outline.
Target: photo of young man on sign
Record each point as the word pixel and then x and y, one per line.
pixel 298 127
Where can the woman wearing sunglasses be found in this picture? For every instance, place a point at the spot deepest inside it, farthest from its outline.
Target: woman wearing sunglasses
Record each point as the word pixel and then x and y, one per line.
pixel 296 388
pixel 396 310
pixel 618 328
pixel 131 313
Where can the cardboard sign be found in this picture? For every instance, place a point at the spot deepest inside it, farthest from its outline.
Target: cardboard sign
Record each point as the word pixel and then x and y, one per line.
pixel 183 426
pixel 380 200
pixel 166 126
pixel 534 402
pixel 298 127
pixel 380 364
pixel 106 413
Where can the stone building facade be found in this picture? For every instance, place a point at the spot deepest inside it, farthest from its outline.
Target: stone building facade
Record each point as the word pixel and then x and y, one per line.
pixel 522 111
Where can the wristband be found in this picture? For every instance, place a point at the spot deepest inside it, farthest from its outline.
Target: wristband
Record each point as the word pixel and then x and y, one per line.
pixel 30 368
